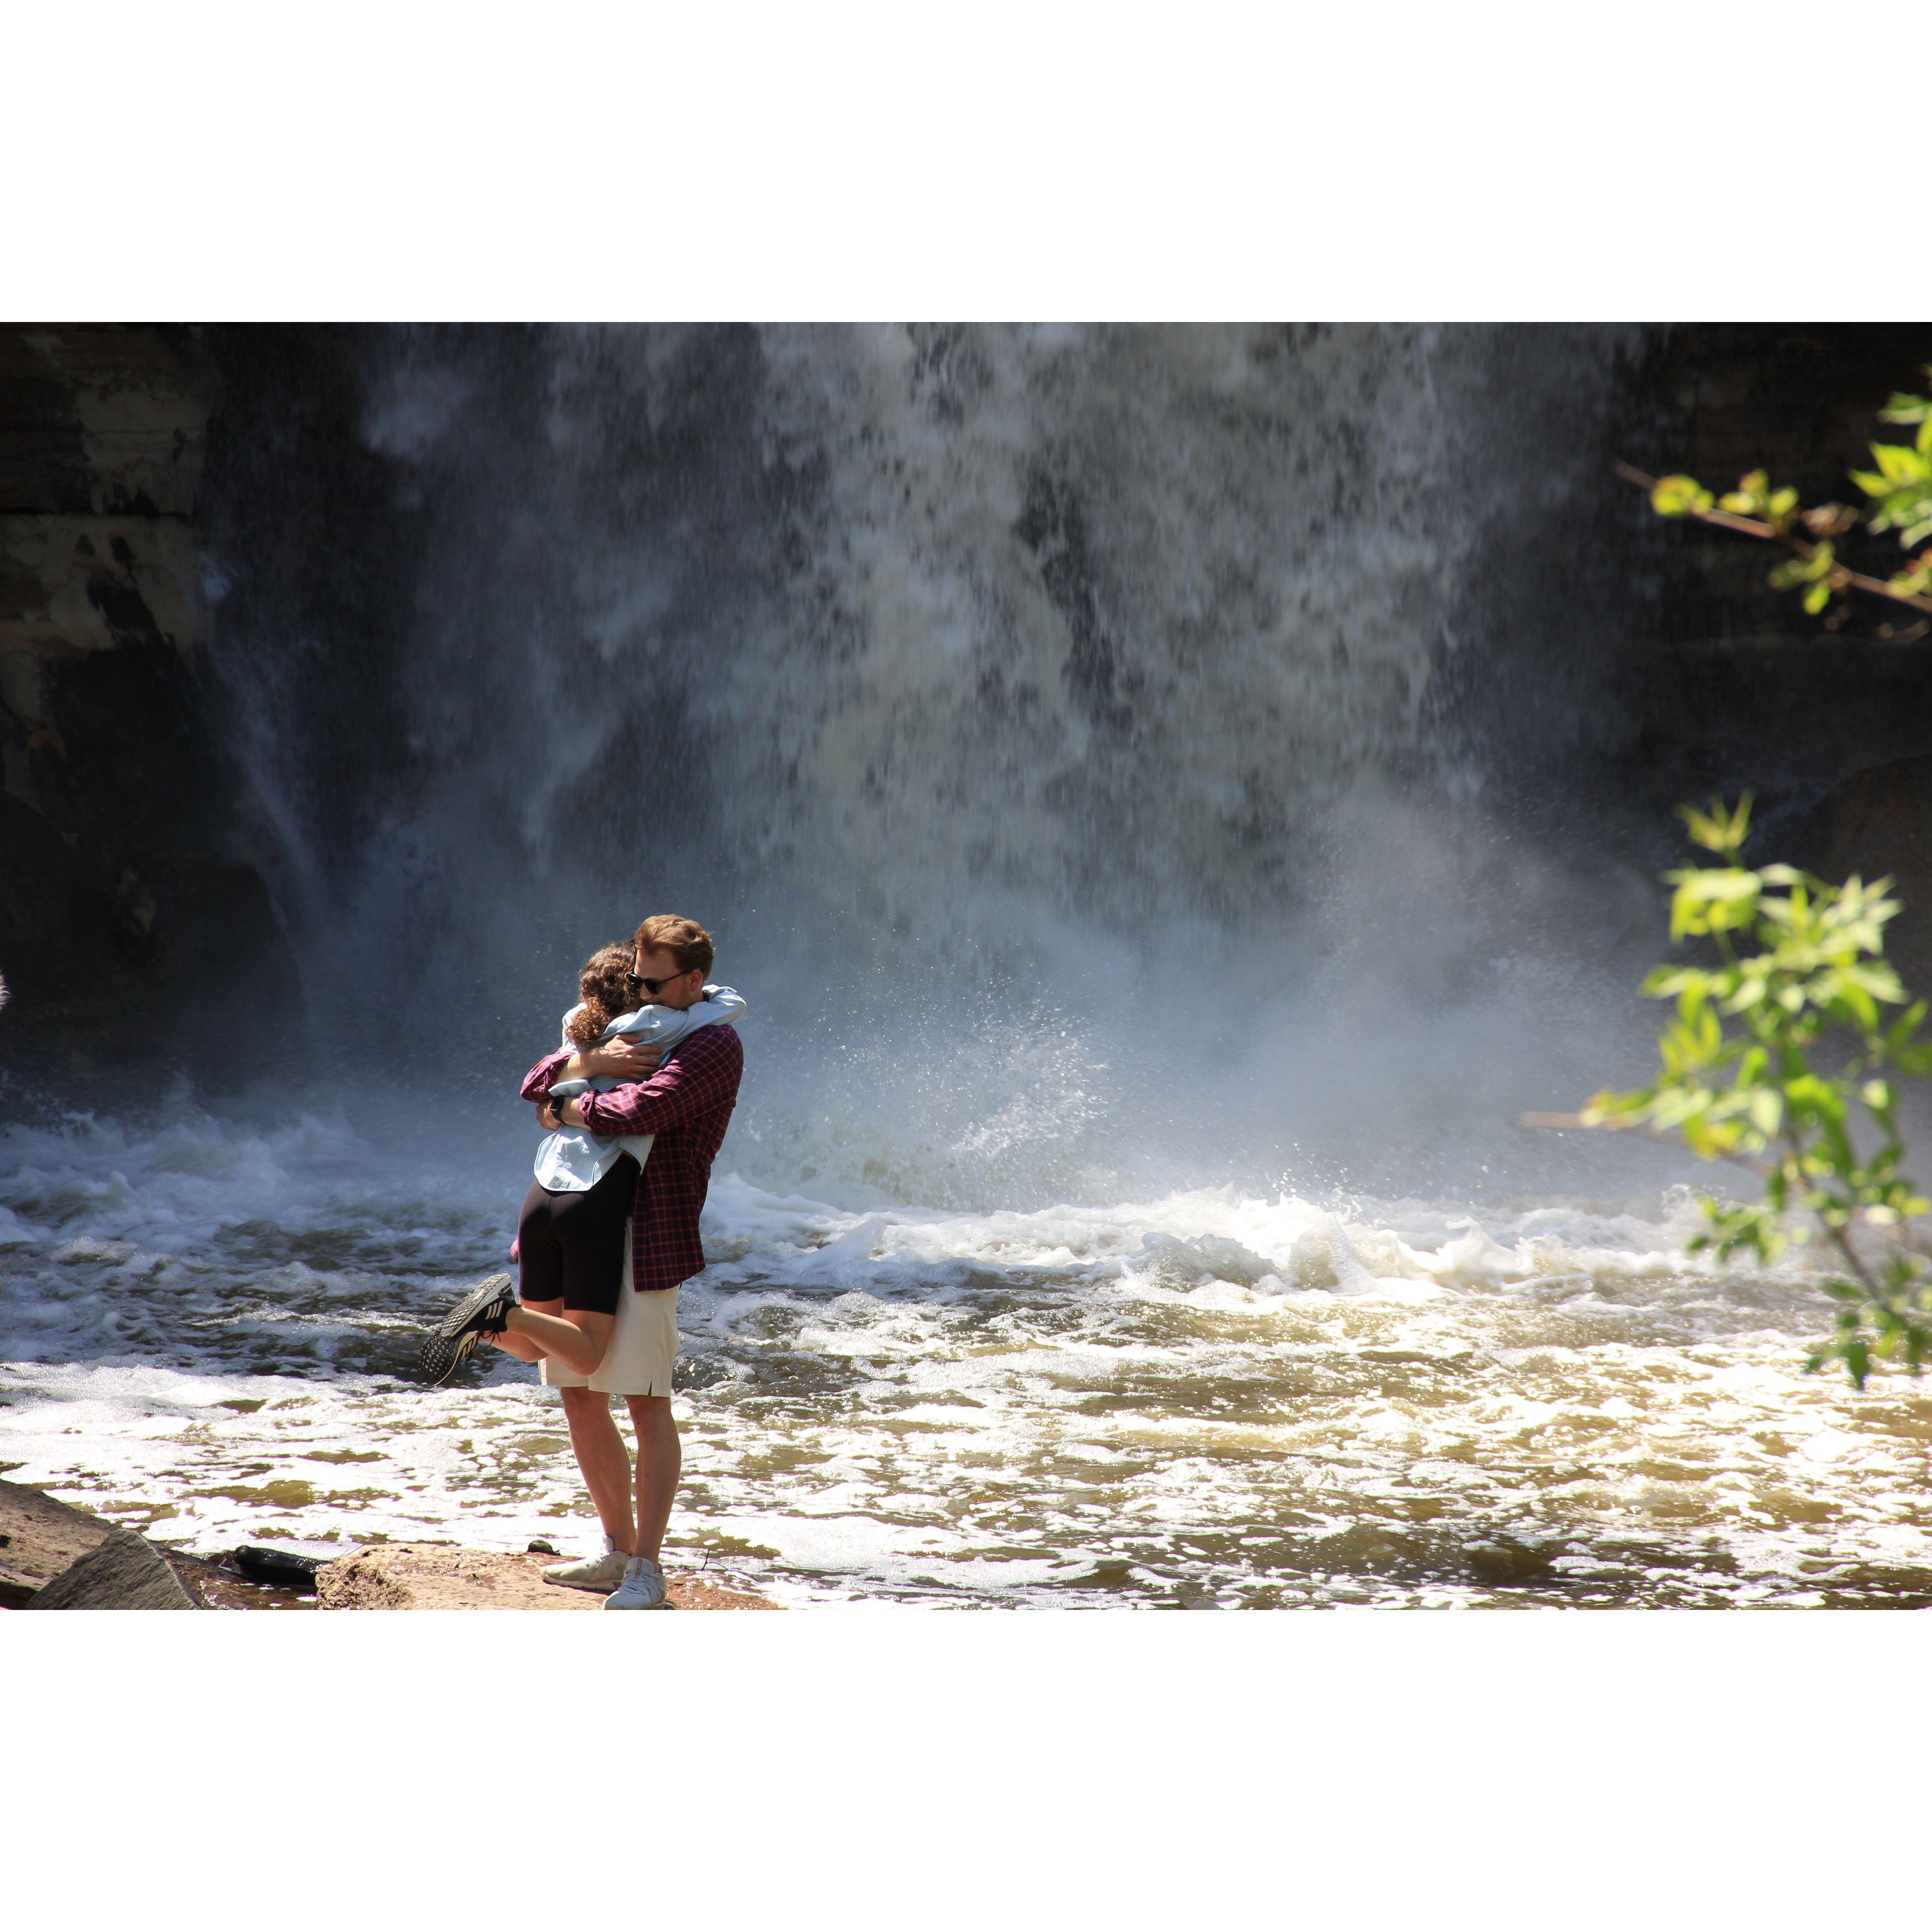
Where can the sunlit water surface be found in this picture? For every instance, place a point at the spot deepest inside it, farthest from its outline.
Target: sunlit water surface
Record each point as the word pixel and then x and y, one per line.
pixel 1199 1400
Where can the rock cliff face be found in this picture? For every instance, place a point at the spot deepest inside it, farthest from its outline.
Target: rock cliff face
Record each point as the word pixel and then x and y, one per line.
pixel 136 931
pixel 1639 663
pixel 1738 683
pixel 1829 722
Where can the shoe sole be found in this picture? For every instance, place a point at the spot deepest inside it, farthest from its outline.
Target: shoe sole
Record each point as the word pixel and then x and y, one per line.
pixel 453 1339
pixel 598 1589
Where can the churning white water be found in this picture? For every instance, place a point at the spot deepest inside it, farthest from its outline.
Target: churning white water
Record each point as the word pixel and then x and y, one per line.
pixel 1198 1399
pixel 1060 730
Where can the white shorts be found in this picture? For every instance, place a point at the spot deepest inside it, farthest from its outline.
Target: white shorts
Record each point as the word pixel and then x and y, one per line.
pixel 643 1345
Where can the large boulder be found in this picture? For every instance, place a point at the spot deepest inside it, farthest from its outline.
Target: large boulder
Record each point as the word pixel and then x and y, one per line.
pixel 121 1572
pixel 41 1536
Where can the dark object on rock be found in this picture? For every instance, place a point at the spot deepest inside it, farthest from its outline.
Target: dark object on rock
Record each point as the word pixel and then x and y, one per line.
pixel 124 1572
pixel 540 1548
pixel 280 1569
pixel 1506 1561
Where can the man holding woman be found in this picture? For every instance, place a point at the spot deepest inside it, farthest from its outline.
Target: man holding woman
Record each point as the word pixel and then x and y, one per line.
pixel 613 1330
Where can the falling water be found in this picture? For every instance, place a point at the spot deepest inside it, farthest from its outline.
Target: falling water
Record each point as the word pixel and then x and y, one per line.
pixel 1094 752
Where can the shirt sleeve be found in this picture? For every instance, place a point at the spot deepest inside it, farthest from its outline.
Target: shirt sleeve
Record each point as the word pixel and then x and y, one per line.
pixel 704 1073
pixel 722 1003
pixel 536 1082
pixel 708 1011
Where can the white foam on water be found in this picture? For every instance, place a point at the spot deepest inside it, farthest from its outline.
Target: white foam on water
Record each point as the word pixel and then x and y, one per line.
pixel 1207 1396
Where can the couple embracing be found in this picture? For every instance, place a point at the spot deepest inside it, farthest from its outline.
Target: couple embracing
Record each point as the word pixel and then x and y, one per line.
pixel 635 1103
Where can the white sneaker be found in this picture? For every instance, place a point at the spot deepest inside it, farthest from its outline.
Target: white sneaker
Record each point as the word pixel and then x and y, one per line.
pixel 603 1573
pixel 642 1587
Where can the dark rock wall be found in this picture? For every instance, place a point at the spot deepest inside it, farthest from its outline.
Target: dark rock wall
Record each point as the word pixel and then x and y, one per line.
pixel 1629 665
pixel 136 928
pixel 1829 719
pixel 1633 663
pixel 1738 684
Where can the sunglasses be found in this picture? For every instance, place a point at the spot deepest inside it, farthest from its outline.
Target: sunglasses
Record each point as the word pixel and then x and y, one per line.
pixel 652 987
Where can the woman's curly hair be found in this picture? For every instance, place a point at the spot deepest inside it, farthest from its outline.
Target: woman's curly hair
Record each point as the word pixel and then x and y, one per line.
pixel 605 988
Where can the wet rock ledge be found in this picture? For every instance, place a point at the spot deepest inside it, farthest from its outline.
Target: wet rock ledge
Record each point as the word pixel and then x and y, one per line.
pixel 54 1556
pixel 439 1576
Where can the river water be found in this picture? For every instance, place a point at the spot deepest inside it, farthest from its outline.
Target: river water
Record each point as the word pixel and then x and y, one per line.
pixel 1146 791
pixel 1200 1399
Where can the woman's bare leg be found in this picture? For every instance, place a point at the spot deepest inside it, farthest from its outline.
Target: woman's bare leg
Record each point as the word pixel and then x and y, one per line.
pixel 521 1346
pixel 577 1338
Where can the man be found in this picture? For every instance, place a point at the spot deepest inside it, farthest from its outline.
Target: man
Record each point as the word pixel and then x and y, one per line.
pixel 589 1353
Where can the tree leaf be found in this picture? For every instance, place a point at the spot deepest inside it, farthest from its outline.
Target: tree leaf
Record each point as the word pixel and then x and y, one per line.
pixel 1898 463
pixel 1903 408
pixel 1679 497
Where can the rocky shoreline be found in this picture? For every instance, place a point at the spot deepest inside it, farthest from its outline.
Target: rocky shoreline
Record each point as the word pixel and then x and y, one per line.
pixel 54 1556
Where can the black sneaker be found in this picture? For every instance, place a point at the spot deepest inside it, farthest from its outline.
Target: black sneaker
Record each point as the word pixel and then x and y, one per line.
pixel 483 1311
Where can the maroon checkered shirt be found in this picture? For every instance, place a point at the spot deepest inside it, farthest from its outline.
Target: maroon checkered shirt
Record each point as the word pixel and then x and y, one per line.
pixel 687 1104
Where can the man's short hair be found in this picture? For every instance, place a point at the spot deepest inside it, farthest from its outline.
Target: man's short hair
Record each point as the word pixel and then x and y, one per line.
pixel 685 940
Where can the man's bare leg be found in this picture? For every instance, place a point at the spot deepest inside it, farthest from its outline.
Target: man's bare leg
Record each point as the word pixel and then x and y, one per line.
pixel 660 1460
pixel 595 1439
pixel 598 1446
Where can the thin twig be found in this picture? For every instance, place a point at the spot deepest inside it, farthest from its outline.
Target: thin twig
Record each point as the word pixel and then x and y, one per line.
pixel 1759 1167
pixel 1840 1239
pixel 1841 578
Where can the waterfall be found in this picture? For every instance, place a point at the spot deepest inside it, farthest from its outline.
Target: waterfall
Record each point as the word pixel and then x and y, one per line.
pixel 1002 697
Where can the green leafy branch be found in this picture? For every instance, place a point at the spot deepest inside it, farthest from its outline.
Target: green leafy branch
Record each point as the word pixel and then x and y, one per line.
pixel 1899 497
pixel 1801 977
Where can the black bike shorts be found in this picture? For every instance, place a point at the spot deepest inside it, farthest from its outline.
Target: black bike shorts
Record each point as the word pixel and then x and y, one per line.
pixel 570 1247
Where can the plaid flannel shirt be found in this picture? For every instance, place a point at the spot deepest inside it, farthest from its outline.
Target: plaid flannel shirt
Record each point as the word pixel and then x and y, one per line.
pixel 687 1104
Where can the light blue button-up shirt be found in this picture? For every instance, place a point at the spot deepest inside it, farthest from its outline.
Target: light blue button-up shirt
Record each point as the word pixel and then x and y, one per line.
pixel 573 1160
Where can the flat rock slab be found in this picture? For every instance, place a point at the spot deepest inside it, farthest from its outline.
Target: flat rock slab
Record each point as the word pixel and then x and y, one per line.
pixel 39 1537
pixel 439 1576
pixel 121 1572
